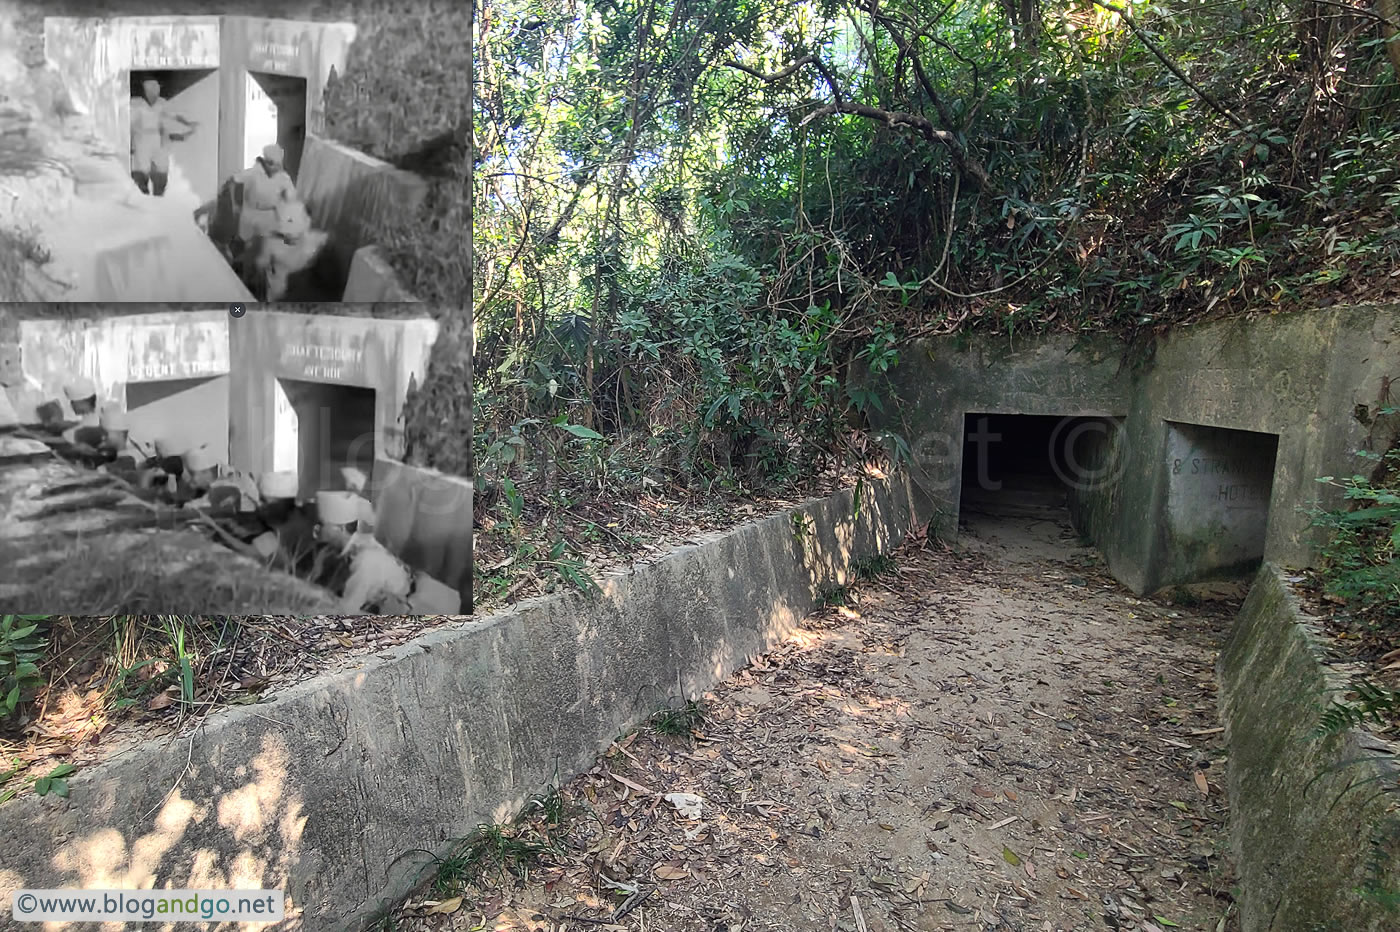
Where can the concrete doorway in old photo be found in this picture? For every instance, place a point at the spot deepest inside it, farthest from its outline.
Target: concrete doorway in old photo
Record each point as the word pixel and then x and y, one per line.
pixel 321 428
pixel 192 93
pixel 275 112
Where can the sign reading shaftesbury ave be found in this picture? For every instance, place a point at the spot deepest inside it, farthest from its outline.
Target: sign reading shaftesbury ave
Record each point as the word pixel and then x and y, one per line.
pixel 323 363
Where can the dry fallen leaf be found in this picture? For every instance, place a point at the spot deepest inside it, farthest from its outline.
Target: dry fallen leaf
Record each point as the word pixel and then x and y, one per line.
pixel 670 871
pixel 984 792
pixel 1202 784
pixel 445 907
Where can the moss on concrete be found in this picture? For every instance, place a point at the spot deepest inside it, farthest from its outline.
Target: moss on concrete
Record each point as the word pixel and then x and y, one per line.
pixel 1303 808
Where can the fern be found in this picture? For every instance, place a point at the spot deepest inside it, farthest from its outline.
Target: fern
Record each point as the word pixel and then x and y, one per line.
pixel 1373 703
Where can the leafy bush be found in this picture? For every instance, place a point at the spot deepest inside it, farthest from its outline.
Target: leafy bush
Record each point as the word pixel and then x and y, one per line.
pixel 1360 565
pixel 22 646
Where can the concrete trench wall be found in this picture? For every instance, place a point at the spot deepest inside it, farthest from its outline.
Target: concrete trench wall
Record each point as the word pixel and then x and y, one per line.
pixel 1302 377
pixel 1301 808
pixel 351 195
pixel 325 788
pixel 425 517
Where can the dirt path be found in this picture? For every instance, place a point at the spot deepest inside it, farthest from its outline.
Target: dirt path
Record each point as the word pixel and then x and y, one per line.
pixel 1002 739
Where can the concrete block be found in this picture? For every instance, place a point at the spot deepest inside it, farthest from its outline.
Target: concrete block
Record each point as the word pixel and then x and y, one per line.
pixel 425 517
pixel 353 196
pixel 372 281
pixel 1219 486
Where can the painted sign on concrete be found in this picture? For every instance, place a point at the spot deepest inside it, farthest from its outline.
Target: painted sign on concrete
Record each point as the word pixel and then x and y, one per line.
pixel 169 370
pixel 115 351
pixel 277 355
pixel 176 42
pixel 176 350
pixel 1219 483
pixel 324 362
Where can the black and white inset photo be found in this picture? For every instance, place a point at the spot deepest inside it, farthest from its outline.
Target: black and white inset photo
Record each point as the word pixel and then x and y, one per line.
pixel 182 460
pixel 235 154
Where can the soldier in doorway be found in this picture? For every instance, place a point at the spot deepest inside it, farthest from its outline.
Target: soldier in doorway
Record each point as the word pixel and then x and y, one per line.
pixel 265 186
pixel 152 128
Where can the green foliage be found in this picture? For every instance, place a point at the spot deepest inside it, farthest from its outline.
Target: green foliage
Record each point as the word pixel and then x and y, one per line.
pixel 55 781
pixel 1360 565
pixel 1360 569
pixel 673 249
pixel 678 723
pixel 22 644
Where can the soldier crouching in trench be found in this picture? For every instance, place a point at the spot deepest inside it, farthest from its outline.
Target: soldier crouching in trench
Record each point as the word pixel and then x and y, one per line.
pixel 290 248
pixel 265 187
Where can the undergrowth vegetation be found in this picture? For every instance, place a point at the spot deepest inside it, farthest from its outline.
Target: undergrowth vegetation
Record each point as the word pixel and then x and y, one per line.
pixel 1360 577
pixel 65 681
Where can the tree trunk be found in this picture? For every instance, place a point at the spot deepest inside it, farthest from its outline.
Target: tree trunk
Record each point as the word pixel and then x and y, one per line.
pixel 1390 30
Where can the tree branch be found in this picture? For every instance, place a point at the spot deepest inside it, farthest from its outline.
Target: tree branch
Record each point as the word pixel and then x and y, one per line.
pixel 967 163
pixel 1171 65
pixel 969 166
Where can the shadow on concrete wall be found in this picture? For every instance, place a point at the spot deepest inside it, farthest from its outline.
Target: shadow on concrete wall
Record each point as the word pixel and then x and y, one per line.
pixel 340 789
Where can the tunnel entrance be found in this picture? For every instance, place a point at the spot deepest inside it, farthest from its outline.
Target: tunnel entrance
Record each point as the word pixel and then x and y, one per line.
pixel 321 428
pixel 1024 465
pixel 192 93
pixel 194 409
pixel 1219 488
pixel 275 112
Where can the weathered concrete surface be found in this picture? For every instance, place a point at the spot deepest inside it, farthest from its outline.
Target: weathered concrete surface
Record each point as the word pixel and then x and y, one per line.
pixel 66 166
pixel 459 727
pixel 372 281
pixel 96 58
pixel 140 249
pixel 1216 517
pixel 1300 376
pixel 1305 377
pixel 252 46
pixel 425 518
pixel 939 381
pixel 351 195
pixel 1300 846
pixel 162 354
pixel 272 348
